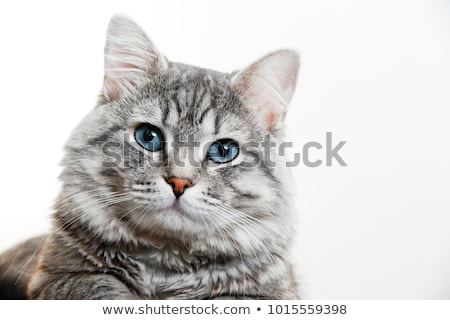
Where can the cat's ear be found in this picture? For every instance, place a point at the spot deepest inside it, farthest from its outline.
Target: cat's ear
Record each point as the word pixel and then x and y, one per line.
pixel 267 85
pixel 130 57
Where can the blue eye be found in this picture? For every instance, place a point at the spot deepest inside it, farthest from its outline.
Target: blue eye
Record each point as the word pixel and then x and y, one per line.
pixel 223 150
pixel 149 137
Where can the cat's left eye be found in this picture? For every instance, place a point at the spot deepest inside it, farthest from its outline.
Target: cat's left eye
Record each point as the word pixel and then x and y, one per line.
pixel 149 137
pixel 224 150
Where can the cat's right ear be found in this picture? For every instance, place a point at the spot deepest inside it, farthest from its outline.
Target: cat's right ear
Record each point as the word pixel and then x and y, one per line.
pixel 130 58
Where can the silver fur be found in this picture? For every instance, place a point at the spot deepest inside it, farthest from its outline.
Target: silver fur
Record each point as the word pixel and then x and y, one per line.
pixel 119 231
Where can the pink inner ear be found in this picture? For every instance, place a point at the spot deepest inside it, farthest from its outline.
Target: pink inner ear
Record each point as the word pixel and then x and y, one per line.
pixel 268 85
pixel 262 94
pixel 130 58
pixel 271 119
pixel 111 89
pixel 117 77
pixel 120 66
pixel 120 72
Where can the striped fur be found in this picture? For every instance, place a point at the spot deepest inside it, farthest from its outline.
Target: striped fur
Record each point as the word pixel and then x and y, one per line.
pixel 119 232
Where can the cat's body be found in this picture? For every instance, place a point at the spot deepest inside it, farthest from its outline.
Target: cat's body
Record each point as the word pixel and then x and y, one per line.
pixel 168 191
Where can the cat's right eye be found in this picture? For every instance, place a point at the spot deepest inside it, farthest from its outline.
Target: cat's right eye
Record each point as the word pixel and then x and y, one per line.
pixel 149 137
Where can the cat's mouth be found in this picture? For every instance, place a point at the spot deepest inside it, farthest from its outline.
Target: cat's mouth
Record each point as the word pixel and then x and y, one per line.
pixel 178 207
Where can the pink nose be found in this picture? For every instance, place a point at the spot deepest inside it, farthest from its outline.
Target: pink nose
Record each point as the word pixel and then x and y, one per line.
pixel 178 185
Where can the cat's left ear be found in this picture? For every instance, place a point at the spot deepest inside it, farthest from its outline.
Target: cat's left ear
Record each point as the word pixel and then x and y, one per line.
pixel 130 57
pixel 268 85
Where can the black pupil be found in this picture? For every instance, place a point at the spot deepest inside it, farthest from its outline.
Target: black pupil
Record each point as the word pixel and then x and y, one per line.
pixel 149 135
pixel 223 149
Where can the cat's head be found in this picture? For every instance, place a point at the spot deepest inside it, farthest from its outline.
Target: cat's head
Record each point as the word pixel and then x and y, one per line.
pixel 174 152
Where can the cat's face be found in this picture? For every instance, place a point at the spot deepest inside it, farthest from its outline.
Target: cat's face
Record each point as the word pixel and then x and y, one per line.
pixel 181 152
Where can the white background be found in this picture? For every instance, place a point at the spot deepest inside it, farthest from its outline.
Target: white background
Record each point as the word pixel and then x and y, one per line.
pixel 375 73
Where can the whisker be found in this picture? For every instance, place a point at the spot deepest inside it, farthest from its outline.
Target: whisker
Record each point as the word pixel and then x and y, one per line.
pixel 251 223
pixel 114 198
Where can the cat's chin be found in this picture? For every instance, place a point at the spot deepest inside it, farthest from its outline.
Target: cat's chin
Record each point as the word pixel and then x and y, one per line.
pixel 176 214
pixel 182 209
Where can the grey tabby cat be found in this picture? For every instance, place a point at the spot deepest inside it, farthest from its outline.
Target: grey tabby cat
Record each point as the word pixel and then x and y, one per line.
pixel 168 191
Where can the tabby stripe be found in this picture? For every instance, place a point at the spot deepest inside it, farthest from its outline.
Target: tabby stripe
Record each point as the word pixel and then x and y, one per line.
pixel 143 183
pixel 212 105
pixel 165 113
pixel 143 190
pixel 104 136
pixel 244 194
pixel 177 105
pixel 217 123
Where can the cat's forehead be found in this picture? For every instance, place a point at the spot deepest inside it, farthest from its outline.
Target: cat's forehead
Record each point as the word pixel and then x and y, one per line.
pixel 190 100
pixel 184 74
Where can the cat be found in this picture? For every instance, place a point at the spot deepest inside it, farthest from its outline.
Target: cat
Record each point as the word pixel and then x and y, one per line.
pixel 168 190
